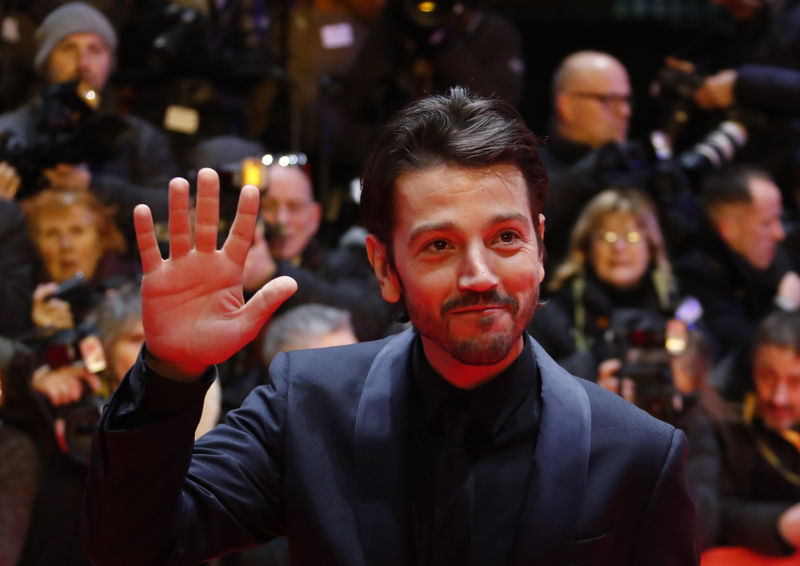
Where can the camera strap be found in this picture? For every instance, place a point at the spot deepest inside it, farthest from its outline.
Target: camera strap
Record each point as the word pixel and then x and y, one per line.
pixel 790 436
pixel 582 342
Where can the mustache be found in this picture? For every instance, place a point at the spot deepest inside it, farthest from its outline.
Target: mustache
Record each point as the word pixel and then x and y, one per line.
pixel 473 299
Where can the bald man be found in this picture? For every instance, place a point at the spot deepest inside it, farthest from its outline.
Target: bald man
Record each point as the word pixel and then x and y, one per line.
pixel 591 108
pixel 591 94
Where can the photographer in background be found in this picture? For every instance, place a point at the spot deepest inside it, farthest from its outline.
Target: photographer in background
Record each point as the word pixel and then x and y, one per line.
pixel 763 85
pixel 591 108
pixel 77 240
pixel 738 270
pixel 617 260
pixel 69 399
pixel 760 487
pixel 589 150
pixel 76 42
pixel 770 79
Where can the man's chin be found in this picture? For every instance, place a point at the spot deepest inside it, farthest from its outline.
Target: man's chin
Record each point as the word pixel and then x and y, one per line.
pixel 778 423
pixel 483 352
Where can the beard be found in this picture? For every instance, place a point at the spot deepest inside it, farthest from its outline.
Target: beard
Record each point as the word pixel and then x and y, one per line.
pixel 487 348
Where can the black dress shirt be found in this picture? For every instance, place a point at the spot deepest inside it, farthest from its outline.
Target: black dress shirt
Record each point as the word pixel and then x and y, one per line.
pixel 500 442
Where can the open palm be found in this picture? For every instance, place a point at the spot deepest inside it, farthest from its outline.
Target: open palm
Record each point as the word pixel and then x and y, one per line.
pixel 193 310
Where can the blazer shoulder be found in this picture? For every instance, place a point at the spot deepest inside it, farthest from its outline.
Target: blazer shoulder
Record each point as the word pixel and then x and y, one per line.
pixel 619 423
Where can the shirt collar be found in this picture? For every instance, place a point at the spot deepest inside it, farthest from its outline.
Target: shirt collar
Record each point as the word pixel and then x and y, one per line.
pixel 492 403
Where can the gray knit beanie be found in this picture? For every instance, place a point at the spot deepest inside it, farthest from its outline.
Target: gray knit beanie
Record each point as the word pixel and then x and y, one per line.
pixel 73 17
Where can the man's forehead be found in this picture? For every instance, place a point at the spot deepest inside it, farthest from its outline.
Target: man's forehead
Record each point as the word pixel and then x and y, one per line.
pixel 289 182
pixel 440 177
pixel 83 38
pixel 445 190
pixel 594 71
pixel 773 355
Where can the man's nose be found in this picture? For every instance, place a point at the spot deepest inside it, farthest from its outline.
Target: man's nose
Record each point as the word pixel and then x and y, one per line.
pixel 84 61
pixel 282 214
pixel 476 272
pixel 780 395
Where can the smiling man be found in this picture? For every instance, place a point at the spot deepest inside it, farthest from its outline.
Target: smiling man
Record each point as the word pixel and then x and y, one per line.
pixel 458 441
pixel 759 487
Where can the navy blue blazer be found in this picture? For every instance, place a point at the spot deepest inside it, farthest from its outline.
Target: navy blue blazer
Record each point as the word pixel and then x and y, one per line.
pixel 318 455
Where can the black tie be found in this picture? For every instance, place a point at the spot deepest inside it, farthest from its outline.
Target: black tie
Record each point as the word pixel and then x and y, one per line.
pixel 450 541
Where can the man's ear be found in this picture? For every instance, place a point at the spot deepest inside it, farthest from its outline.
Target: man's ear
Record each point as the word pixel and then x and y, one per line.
pixel 541 226
pixel 384 271
pixel 317 216
pixel 563 108
pixel 727 227
pixel 542 250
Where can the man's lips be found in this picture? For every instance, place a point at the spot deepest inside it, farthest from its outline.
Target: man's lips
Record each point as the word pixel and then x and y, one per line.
pixel 476 309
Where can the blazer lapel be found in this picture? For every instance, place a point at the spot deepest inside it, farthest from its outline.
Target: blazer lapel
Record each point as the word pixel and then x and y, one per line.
pixel 380 440
pixel 555 491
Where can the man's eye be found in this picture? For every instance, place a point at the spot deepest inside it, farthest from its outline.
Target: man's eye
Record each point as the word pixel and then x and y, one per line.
pixel 438 245
pixel 508 237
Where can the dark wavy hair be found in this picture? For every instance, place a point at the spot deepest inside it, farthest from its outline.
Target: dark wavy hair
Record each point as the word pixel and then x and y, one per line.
pixel 779 328
pixel 458 129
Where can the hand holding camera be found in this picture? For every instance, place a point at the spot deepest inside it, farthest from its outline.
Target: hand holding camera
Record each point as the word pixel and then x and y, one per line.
pixel 607 378
pixel 49 311
pixel 64 385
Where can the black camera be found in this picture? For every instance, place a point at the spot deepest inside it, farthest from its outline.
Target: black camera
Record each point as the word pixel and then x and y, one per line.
pixel 709 141
pixel 645 341
pixel 80 295
pixel 79 344
pixel 69 129
pixel 74 423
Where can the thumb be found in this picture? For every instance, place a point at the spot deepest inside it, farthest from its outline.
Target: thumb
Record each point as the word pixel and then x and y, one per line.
pixel 265 302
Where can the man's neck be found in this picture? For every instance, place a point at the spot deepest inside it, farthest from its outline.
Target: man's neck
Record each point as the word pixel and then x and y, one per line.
pixel 466 376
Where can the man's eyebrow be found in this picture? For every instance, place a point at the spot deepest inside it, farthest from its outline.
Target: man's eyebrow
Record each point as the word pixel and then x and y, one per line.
pixel 430 227
pixel 509 217
pixel 447 225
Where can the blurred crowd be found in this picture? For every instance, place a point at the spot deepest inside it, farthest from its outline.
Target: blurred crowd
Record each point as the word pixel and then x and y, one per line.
pixel 673 259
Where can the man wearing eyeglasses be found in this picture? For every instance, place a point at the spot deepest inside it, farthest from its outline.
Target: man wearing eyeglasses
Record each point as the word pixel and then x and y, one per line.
pixel 591 93
pixel 340 277
pixel 591 109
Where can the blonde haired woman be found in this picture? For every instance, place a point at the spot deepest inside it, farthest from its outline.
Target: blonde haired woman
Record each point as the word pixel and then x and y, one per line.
pixel 617 260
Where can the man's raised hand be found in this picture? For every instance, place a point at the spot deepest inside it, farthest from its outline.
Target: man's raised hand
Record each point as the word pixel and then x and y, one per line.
pixel 193 310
